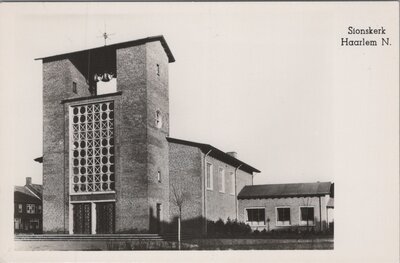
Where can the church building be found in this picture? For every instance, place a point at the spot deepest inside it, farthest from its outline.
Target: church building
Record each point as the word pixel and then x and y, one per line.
pixel 109 162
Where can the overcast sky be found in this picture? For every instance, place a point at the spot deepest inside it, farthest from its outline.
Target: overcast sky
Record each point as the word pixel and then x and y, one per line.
pixel 258 79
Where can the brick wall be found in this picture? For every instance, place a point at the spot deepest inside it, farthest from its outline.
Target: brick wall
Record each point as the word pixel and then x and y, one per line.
pixel 222 204
pixel 294 203
pixel 141 149
pixel 185 175
pixel 157 145
pixel 187 171
pixel 58 76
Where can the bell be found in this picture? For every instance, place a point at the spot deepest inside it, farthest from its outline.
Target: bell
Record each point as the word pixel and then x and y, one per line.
pixel 97 77
pixel 106 77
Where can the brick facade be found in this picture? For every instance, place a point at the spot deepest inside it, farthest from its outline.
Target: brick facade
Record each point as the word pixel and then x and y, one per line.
pixel 141 150
pixel 187 172
pixel 146 164
pixel 58 76
pixel 221 205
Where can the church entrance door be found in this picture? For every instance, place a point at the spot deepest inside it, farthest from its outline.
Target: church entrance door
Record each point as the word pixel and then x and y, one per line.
pixel 82 218
pixel 105 218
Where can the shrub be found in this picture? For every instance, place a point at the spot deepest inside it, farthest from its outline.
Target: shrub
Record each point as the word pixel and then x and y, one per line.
pixel 232 228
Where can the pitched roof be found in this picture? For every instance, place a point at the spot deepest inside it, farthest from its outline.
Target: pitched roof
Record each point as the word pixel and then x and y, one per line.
pixel 216 153
pixel 121 45
pixel 37 189
pixel 24 193
pixel 285 190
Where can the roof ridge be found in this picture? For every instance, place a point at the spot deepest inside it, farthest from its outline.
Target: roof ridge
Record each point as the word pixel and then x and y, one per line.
pixel 139 40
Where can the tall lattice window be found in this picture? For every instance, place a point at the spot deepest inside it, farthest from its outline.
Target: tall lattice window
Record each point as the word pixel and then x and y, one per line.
pixel 92 148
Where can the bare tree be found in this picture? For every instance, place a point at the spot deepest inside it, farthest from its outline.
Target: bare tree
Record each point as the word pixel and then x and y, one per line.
pixel 179 198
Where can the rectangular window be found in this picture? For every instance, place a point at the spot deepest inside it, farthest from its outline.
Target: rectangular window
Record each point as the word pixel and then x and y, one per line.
pixel 256 216
pixel 221 180
pixel 34 223
pixel 39 209
pixel 92 155
pixel 74 88
pixel 17 223
pixel 209 176
pixel 159 176
pixel 19 208
pixel 283 216
pixel 307 216
pixel 232 176
pixel 30 208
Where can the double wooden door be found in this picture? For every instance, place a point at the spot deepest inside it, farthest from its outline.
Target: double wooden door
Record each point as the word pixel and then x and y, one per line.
pixel 82 218
pixel 105 218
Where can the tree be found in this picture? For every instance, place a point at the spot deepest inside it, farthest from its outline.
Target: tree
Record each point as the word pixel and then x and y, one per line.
pixel 179 198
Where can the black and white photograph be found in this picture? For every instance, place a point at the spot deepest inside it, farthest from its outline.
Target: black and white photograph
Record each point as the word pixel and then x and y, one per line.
pixel 250 130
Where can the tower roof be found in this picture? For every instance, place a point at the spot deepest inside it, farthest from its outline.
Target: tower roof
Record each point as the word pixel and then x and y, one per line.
pixel 119 45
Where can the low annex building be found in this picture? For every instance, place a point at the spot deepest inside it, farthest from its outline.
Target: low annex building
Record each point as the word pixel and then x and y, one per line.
pixel 282 206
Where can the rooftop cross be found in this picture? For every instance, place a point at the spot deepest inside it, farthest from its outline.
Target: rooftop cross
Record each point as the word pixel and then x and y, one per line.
pixel 105 35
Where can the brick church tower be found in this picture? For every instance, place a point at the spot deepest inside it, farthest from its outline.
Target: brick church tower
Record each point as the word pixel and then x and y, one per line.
pixel 105 153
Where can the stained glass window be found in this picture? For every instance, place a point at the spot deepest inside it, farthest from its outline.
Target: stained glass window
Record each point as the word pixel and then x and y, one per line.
pixel 92 148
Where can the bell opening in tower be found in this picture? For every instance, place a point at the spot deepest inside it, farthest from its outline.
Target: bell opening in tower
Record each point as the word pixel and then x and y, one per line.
pixel 98 66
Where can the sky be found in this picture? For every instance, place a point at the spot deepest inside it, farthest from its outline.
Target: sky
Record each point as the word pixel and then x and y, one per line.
pixel 246 78
pixel 270 81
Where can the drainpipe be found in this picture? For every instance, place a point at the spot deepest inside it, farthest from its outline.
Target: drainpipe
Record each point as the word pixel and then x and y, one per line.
pixel 236 203
pixel 64 177
pixel 205 191
pixel 320 215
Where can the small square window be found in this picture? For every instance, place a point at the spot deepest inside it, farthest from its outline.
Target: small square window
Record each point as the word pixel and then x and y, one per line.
pixel 283 216
pixel 159 176
pixel 256 216
pixel 307 216
pixel 74 88
pixel 30 209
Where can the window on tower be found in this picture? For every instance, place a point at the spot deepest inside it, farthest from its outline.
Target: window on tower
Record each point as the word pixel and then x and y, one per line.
pixel 158 119
pixel 74 88
pixel 159 176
